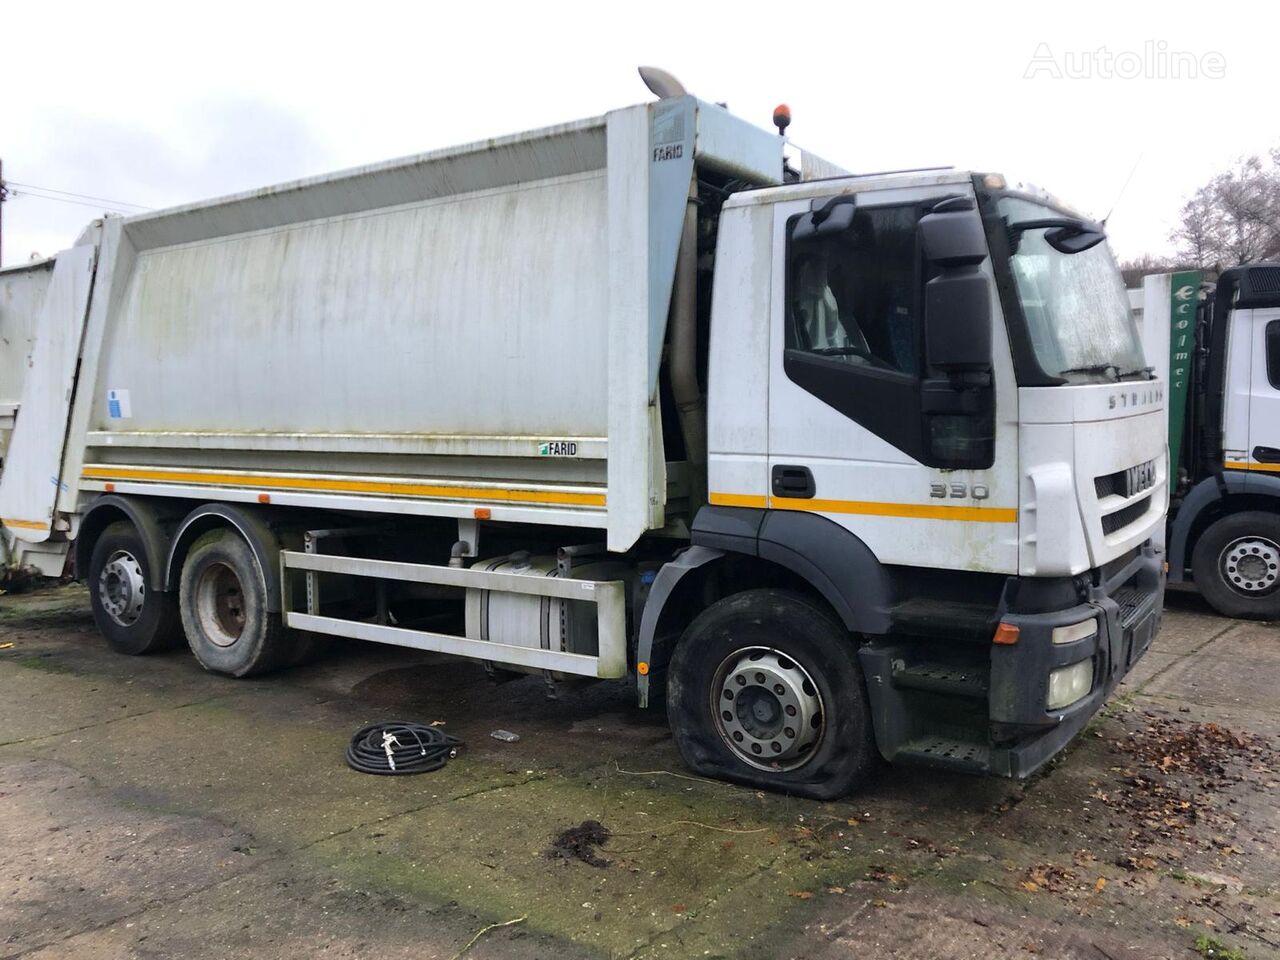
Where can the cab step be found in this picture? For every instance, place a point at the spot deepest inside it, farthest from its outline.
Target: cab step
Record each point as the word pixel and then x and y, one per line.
pixel 956 681
pixel 963 756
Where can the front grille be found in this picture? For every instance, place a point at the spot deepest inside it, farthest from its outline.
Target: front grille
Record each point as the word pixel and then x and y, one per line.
pixel 1128 482
pixel 1125 516
pixel 1112 485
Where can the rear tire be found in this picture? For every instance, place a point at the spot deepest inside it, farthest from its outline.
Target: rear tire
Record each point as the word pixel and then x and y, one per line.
pixel 223 598
pixel 804 729
pixel 1236 565
pixel 133 618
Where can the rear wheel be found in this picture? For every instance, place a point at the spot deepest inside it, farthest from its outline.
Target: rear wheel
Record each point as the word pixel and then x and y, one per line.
pixel 764 688
pixel 223 598
pixel 133 618
pixel 1236 565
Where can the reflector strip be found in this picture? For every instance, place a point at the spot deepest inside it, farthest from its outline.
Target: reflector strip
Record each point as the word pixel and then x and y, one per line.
pixel 394 488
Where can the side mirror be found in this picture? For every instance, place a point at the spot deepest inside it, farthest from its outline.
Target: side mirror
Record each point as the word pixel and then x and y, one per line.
pixel 957 309
pixel 952 234
pixel 957 303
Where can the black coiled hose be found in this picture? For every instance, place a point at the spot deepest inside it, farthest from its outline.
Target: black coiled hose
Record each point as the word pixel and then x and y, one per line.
pixel 398 747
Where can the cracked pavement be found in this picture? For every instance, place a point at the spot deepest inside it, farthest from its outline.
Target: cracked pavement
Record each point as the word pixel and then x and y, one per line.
pixel 149 809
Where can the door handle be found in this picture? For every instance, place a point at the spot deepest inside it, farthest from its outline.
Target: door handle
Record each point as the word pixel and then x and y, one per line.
pixel 1266 454
pixel 793 481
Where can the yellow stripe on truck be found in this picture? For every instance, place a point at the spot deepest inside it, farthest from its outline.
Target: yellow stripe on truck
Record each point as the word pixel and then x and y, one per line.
pixel 871 508
pixel 738 500
pixel 1244 465
pixel 400 489
pixel 25 524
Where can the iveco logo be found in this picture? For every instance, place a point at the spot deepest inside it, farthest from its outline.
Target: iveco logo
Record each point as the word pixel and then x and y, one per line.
pixel 1139 478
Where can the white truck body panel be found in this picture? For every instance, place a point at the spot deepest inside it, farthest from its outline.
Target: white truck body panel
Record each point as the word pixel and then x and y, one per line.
pixel 1039 514
pixel 474 328
pixel 1072 436
pixel 1264 407
pixel 29 484
pixel 22 291
pixel 1239 399
pixel 868 485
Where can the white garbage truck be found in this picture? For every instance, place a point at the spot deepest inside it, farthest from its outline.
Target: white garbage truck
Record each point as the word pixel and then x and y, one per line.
pixel 838 467
pixel 1217 345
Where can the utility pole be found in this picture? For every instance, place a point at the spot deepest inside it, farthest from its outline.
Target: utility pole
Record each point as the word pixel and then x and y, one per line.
pixel 4 195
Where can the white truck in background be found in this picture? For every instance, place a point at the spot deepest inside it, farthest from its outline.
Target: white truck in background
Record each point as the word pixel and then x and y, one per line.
pixel 839 466
pixel 1217 345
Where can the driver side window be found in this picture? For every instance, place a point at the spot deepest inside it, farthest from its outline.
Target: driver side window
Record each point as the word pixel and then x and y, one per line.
pixel 853 294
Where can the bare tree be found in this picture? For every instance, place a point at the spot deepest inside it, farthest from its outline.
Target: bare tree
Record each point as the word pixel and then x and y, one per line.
pixel 1235 217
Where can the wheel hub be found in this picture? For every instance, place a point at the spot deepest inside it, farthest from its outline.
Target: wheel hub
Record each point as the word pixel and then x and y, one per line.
pixel 767 708
pixel 122 588
pixel 1251 565
pixel 220 604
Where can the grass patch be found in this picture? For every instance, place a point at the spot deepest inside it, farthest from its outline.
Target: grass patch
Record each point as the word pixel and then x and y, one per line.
pixel 43 662
pixel 1211 948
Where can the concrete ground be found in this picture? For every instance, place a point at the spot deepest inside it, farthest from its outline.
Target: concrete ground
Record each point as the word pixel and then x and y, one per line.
pixel 149 809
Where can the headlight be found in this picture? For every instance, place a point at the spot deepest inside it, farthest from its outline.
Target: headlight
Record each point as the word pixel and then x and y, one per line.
pixel 1069 684
pixel 1075 631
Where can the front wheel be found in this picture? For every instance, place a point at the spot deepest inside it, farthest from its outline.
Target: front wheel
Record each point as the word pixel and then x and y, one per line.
pixel 1236 565
pixel 764 689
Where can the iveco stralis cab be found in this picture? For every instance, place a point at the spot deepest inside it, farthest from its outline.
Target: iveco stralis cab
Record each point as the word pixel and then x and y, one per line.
pixel 838 467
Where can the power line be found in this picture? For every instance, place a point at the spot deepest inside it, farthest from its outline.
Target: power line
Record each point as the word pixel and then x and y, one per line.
pixel 78 196
pixel 18 194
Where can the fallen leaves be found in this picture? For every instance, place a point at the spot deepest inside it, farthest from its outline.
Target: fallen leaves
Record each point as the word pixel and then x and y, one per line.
pixel 1050 877
pixel 881 874
pixel 800 894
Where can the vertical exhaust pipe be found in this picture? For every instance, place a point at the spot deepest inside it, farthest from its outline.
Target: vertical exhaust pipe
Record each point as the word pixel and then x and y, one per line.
pixel 683 356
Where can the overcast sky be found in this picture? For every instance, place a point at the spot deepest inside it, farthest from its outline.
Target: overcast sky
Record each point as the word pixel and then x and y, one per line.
pixel 163 104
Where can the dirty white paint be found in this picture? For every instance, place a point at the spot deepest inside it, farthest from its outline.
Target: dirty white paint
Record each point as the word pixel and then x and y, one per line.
pixel 29 484
pixel 22 291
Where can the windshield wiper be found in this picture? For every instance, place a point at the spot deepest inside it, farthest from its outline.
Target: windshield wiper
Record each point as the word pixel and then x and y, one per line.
pixel 1093 368
pixel 1147 373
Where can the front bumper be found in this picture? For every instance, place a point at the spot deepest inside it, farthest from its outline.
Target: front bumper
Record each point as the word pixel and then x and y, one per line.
pixel 1127 603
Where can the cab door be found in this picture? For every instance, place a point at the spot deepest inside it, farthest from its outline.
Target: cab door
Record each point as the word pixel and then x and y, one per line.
pixel 1264 400
pixel 862 429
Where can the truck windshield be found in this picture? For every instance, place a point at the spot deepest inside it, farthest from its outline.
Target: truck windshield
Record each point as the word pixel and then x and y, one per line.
pixel 1075 304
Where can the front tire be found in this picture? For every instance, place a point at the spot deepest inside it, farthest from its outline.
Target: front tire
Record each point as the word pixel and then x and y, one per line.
pixel 1236 565
pixel 223 598
pixel 764 688
pixel 133 618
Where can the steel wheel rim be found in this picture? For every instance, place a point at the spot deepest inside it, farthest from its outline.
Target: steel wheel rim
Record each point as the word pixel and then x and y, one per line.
pixel 1251 566
pixel 767 709
pixel 122 588
pixel 220 605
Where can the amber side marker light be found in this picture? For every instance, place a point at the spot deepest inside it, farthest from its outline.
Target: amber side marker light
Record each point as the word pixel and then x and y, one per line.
pixel 482 513
pixel 1006 635
pixel 642 668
